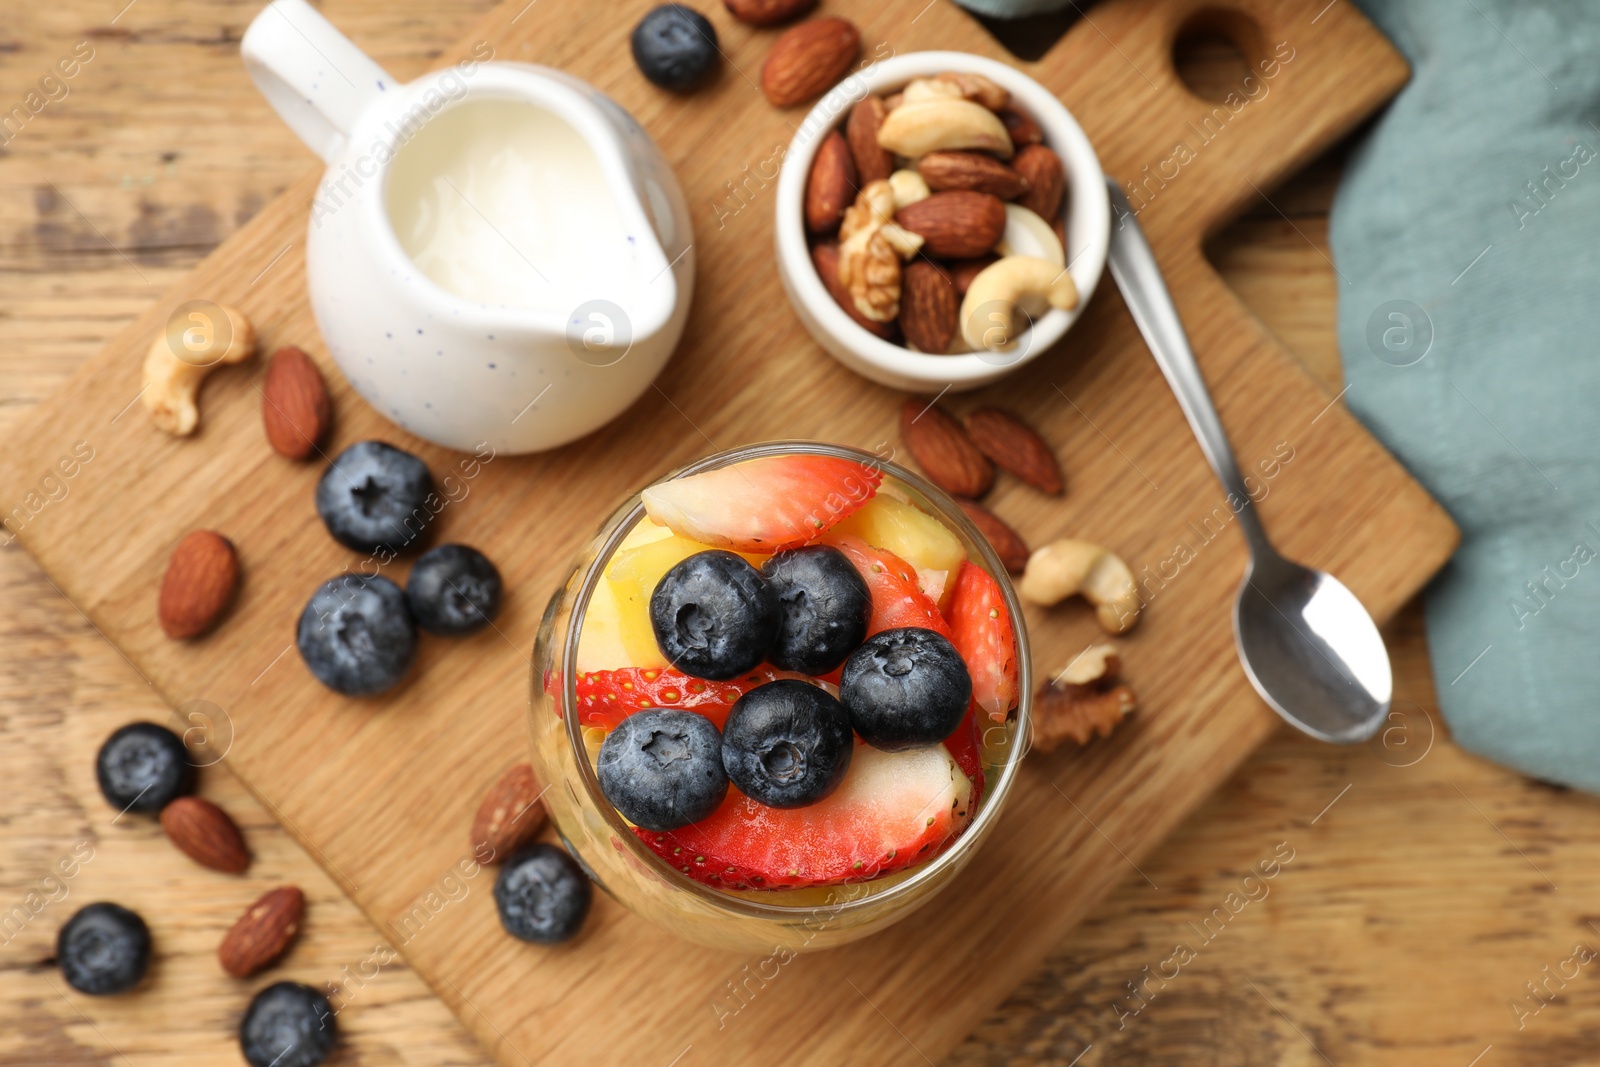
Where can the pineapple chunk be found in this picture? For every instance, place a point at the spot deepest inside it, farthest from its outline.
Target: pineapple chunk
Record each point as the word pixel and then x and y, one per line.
pixel 913 535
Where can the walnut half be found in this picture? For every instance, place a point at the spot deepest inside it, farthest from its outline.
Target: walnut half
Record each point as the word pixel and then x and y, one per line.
pixel 870 249
pixel 1082 701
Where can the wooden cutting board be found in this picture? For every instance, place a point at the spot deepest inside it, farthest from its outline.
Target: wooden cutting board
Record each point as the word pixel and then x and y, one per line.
pixel 382 791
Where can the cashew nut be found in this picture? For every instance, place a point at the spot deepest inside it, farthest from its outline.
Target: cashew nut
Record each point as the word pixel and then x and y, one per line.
pixel 1027 234
pixel 916 128
pixel 179 360
pixel 1062 568
pixel 919 90
pixel 909 187
pixel 976 87
pixel 953 84
pixel 1025 284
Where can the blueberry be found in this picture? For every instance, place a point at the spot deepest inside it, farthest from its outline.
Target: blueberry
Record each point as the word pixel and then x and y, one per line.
pixel 787 744
pixel 453 590
pixel 823 608
pixel 905 688
pixel 663 769
pixel 374 497
pixel 103 949
pixel 714 615
pixel 357 635
pixel 675 47
pixel 542 895
pixel 287 1025
pixel 142 766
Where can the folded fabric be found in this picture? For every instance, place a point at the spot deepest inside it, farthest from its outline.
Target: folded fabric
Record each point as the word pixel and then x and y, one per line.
pixel 1464 234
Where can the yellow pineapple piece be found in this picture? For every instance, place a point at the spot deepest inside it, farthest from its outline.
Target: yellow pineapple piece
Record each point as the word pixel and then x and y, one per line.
pixel 915 536
pixel 613 637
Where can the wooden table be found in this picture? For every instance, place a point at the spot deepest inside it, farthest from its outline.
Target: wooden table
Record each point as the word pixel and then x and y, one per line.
pixel 1426 887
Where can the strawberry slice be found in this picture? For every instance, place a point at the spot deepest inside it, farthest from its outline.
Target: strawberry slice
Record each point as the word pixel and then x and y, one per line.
pixel 966 748
pixel 892 810
pixel 763 505
pixel 605 698
pixel 981 629
pixel 897 598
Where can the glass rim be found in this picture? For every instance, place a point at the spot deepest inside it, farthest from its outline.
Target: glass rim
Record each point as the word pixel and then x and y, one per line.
pixel 621 525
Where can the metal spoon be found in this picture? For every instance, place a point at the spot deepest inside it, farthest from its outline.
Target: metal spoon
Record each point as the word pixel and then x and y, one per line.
pixel 1309 647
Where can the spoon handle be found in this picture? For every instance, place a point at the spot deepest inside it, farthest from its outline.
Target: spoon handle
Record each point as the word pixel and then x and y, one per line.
pixel 1133 264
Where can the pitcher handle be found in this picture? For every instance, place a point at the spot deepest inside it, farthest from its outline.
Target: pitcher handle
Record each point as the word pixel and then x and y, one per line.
pixel 312 74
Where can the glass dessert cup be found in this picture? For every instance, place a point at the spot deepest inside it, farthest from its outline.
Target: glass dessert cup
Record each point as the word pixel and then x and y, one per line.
pixel 745 920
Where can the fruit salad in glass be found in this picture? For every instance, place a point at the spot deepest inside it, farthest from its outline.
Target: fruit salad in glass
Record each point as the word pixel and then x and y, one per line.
pixel 776 702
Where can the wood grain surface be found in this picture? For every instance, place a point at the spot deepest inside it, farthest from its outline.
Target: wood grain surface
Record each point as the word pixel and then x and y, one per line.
pixel 69 285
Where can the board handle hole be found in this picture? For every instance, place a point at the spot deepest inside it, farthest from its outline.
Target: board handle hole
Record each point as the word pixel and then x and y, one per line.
pixel 1217 53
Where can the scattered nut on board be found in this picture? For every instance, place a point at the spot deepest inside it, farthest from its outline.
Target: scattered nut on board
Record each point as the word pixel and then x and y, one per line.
pixel 1067 567
pixel 294 404
pixel 807 59
pixel 1007 543
pixel 179 360
pixel 202 575
pixel 943 450
pixel 510 815
pixel 263 932
pixel 1081 701
pixel 1015 446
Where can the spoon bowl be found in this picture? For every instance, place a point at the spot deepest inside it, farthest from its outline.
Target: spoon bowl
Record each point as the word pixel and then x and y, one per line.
pixel 1311 650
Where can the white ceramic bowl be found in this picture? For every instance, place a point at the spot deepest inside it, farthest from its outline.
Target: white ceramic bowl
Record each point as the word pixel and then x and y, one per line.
pixel 1088 226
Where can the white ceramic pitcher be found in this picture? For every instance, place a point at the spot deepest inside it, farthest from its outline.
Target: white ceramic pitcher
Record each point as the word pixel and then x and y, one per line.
pixel 558 307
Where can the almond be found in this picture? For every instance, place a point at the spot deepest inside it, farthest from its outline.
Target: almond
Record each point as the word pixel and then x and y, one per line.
pixel 1047 180
pixel 943 450
pixel 1007 543
pixel 962 271
pixel 294 404
pixel 204 832
pixel 1023 130
pixel 201 577
pixel 1015 446
pixel 957 224
pixel 832 185
pixel 263 932
pixel 510 814
pixel 929 307
pixel 873 161
pixel 808 59
pixel 971 170
pixel 825 257
pixel 767 12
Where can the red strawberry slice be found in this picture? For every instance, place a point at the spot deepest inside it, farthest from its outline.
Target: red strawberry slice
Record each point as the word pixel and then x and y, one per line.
pixel 763 505
pixel 605 698
pixel 981 626
pixel 892 810
pixel 897 600
pixel 966 748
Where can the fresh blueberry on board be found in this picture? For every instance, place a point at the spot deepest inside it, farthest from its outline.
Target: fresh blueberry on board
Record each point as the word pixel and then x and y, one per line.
pixel 542 895
pixel 103 949
pixel 675 47
pixel 356 634
pixel 287 1025
pixel 905 688
pixel 787 743
pixel 663 769
pixel 453 590
pixel 714 616
pixel 374 497
pixel 823 608
pixel 142 767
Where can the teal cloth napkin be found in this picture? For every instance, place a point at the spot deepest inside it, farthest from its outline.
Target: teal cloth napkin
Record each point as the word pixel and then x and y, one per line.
pixel 1464 234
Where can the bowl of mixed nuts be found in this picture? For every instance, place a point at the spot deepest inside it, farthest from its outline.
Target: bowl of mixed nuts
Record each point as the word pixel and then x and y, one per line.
pixel 942 220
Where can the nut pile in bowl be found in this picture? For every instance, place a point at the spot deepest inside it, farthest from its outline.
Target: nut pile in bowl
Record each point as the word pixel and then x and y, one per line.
pixel 935 217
